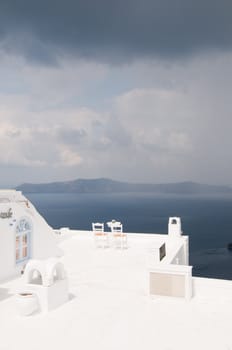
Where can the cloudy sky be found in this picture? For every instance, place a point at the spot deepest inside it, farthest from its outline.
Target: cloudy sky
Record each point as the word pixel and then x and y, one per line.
pixel 135 90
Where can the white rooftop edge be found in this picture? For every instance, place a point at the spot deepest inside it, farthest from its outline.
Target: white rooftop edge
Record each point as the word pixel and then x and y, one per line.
pixel 140 297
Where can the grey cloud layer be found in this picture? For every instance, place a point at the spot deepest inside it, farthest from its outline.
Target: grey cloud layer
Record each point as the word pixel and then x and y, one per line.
pixel 115 30
pixel 151 120
pixel 174 126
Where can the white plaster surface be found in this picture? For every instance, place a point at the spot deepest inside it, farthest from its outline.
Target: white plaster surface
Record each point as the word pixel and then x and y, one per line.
pixel 42 239
pixel 109 307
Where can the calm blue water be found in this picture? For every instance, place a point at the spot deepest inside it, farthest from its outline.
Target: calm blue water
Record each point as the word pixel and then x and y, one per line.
pixel 207 221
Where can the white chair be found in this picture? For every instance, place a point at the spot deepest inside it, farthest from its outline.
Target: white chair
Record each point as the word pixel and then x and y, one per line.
pixel 120 237
pixel 101 237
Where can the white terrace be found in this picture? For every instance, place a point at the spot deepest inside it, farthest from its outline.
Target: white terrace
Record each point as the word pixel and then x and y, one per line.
pixel 110 306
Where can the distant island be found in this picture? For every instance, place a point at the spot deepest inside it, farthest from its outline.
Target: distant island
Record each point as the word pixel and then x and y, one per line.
pixel 103 185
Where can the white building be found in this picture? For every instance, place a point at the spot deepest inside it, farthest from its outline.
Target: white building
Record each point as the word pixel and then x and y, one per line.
pixel 24 234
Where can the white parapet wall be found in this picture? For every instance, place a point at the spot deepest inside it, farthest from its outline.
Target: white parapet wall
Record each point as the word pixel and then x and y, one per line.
pixel 171 280
pixel 212 288
pixel 181 256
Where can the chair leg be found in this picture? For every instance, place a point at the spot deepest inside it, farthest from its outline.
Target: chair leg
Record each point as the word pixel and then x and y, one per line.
pixel 124 241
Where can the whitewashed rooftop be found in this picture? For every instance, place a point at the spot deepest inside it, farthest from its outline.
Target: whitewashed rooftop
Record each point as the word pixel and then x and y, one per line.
pixel 110 308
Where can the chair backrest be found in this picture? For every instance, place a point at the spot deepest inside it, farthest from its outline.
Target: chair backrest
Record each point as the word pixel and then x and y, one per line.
pixel 117 227
pixel 97 226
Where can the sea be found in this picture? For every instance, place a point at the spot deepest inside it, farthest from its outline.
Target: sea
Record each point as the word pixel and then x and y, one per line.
pixel 206 220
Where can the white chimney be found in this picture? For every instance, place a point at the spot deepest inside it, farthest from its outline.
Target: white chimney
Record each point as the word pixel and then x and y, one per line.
pixel 174 227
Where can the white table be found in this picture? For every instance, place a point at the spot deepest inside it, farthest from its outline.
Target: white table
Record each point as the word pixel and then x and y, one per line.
pixel 112 223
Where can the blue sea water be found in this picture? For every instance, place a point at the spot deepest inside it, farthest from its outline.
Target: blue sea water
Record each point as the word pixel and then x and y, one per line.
pixel 207 221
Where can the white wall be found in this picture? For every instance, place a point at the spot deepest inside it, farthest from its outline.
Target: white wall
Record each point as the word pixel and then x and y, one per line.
pixel 210 288
pixel 7 253
pixel 178 251
pixel 171 280
pixel 179 258
pixel 43 240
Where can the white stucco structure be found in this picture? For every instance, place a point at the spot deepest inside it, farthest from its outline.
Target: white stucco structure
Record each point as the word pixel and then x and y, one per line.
pixel 96 298
pixel 24 234
pixel 174 227
pixel 47 280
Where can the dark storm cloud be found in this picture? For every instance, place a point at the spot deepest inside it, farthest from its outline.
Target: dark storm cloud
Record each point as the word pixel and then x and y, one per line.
pixel 121 29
